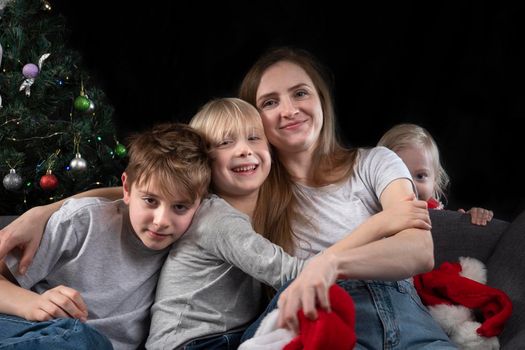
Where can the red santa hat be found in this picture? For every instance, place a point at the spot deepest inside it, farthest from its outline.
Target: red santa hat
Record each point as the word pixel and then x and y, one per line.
pixel 333 330
pixel 454 291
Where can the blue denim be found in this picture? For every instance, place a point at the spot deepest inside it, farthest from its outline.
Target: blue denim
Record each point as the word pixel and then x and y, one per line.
pixel 227 341
pixel 61 333
pixel 389 315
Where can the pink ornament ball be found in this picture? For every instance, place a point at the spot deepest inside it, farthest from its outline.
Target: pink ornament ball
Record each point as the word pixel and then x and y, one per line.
pixel 30 70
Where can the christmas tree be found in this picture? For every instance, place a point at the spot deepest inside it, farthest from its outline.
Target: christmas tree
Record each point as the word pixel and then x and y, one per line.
pixel 56 127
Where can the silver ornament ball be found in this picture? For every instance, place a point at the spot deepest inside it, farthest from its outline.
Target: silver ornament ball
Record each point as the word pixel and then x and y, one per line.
pixel 12 181
pixel 91 107
pixel 78 164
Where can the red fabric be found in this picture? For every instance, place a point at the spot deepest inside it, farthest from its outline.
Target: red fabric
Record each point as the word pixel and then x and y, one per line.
pixel 445 285
pixel 331 330
pixel 433 204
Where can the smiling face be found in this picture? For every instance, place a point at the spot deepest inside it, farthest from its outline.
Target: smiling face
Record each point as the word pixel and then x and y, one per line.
pixel 157 217
pixel 241 162
pixel 290 108
pixel 419 162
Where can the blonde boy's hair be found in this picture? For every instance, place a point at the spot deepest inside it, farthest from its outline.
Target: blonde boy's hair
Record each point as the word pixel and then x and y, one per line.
pixel 176 155
pixel 406 135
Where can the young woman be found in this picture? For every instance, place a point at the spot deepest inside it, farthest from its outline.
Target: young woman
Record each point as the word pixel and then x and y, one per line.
pixel 326 191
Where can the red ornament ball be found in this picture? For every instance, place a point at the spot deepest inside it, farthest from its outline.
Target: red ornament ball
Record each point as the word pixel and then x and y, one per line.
pixel 49 181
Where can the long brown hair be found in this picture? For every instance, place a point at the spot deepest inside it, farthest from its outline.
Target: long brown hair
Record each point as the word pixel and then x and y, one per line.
pixel 330 156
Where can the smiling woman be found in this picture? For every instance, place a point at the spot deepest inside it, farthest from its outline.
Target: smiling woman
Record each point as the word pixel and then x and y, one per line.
pixel 337 191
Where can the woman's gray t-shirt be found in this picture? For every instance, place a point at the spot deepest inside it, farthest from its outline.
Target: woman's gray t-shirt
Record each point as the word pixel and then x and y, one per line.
pixel 333 211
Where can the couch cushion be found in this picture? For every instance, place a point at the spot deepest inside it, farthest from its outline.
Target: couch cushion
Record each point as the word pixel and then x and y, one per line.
pixel 454 236
pixel 6 219
pixel 506 271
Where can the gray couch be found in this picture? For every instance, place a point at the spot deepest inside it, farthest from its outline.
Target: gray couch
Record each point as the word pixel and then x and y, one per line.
pixel 500 245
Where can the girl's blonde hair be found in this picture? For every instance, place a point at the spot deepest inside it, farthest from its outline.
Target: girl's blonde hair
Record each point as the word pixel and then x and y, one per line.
pixel 330 156
pixel 405 135
pixel 224 117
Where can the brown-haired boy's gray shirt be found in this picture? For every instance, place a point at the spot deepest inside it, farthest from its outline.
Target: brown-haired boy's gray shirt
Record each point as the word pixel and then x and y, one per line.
pixel 89 245
pixel 211 281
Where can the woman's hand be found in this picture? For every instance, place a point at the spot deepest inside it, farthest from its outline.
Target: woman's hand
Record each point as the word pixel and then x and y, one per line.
pixel 25 233
pixel 58 302
pixel 308 290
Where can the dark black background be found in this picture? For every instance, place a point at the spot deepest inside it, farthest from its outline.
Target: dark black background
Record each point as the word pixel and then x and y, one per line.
pixel 453 68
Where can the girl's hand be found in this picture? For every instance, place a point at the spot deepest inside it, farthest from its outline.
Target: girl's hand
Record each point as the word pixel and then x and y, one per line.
pixel 58 302
pixel 409 213
pixel 479 216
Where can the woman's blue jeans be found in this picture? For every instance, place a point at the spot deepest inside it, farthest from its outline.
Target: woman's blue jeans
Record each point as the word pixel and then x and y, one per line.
pixel 61 333
pixel 389 315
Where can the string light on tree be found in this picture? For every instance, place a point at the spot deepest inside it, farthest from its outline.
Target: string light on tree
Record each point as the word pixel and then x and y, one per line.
pixel 46 6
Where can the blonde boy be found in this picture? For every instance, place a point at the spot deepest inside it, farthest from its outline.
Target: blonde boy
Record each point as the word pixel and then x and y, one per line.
pixel 99 260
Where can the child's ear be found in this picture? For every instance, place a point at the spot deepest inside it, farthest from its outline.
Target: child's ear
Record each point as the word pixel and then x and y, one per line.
pixel 126 188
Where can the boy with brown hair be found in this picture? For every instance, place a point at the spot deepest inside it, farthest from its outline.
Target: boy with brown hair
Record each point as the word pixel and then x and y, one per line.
pixel 108 253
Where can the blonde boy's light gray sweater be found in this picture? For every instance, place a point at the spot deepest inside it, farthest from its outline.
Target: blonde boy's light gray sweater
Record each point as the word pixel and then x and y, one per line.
pixel 211 282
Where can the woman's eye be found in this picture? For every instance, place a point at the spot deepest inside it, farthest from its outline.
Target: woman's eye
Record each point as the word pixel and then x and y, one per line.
pixel 301 93
pixel 268 104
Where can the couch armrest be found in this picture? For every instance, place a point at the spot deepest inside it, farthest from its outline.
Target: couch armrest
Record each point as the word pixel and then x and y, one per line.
pixel 454 236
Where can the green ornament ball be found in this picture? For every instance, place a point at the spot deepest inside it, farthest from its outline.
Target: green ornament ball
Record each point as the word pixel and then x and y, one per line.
pixel 120 150
pixel 82 103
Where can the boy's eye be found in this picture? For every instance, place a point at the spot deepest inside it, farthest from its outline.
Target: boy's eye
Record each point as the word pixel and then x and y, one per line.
pixel 149 200
pixel 180 208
